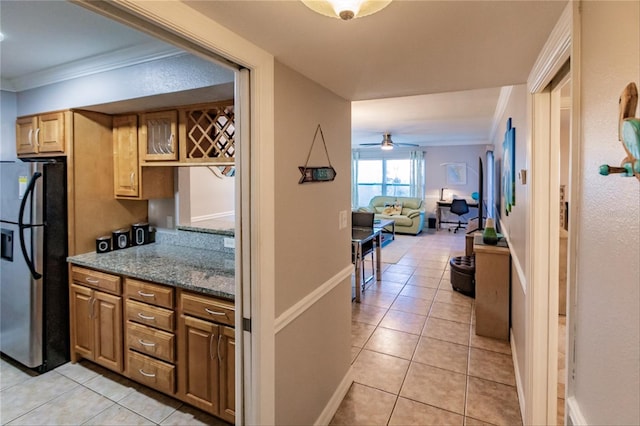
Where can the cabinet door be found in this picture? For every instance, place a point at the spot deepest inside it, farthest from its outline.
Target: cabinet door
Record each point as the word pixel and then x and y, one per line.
pixel 26 135
pixel 50 134
pixel 158 137
pixel 82 330
pixel 227 358
pixel 199 365
pixel 107 317
pixel 126 177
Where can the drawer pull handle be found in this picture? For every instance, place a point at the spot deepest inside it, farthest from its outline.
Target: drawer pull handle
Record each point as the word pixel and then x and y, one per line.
pixel 209 311
pixel 143 343
pixel 146 374
pixel 92 280
pixel 146 317
pixel 143 294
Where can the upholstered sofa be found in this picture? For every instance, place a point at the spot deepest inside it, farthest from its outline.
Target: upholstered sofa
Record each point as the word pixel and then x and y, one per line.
pixel 408 213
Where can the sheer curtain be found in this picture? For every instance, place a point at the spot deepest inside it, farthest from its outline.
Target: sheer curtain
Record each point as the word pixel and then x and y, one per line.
pixel 355 158
pixel 417 174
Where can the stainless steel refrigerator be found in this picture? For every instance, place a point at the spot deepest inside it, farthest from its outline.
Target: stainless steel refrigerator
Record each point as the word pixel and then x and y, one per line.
pixel 34 300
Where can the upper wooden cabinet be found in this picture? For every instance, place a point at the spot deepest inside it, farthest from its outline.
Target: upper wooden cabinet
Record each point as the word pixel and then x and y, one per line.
pixel 42 134
pixel 207 134
pixel 158 136
pixel 130 179
pixel 126 176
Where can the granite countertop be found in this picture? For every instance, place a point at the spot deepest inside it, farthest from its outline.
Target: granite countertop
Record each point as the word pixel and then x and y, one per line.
pixel 205 271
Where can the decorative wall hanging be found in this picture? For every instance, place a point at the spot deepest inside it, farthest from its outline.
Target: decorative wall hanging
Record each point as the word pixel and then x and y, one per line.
pixel 456 173
pixel 628 135
pixel 317 174
pixel 509 167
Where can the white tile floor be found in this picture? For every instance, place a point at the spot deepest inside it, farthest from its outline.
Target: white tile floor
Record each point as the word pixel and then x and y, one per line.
pixel 86 394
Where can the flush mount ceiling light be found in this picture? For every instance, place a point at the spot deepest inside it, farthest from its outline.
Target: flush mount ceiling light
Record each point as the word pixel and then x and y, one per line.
pixel 346 9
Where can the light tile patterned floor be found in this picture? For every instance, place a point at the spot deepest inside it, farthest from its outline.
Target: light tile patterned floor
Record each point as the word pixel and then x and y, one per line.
pixel 416 357
pixel 86 394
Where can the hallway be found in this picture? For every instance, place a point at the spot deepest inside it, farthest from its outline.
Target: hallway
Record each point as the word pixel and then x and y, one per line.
pixel 415 355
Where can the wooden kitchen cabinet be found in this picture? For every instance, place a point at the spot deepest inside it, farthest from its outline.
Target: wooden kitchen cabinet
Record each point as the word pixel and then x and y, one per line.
pixel 130 179
pixel 149 334
pixel 207 352
pixel 207 133
pixel 158 135
pixel 96 320
pixel 43 134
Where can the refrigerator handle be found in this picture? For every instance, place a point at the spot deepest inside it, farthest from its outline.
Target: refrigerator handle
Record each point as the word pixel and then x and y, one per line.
pixel 28 193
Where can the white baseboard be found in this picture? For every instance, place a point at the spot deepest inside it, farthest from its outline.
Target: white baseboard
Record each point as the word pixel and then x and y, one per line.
pixel 336 399
pixel 212 216
pixel 516 368
pixel 574 415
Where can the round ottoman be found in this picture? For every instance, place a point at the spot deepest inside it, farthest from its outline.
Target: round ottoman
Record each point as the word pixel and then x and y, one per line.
pixel 463 274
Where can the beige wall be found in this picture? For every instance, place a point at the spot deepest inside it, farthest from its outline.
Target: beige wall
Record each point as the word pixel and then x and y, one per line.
pixel 514 226
pixel 607 315
pixel 313 351
pixel 210 195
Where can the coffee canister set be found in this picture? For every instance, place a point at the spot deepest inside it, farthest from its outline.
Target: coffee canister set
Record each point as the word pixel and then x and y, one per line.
pixel 122 238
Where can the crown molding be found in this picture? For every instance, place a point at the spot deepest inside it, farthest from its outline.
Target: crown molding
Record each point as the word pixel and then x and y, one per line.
pixel 501 107
pixel 93 65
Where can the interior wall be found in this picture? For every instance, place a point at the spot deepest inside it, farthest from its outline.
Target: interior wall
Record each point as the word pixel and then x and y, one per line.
pixel 514 225
pixel 8 114
pixel 436 173
pixel 178 73
pixel 210 196
pixel 313 351
pixel 607 315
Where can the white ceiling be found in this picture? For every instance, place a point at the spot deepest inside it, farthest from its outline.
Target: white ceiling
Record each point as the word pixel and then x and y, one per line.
pixel 429 72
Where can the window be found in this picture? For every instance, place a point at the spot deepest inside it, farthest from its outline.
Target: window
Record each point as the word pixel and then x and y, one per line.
pixel 393 177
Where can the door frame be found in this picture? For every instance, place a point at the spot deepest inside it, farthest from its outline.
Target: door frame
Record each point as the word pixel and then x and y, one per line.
pixel 542 266
pixel 178 24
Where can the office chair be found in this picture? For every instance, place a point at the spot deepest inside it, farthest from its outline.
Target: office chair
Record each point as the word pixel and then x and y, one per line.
pixel 363 220
pixel 460 207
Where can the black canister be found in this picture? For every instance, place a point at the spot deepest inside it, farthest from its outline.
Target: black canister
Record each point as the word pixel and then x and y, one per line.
pixel 103 244
pixel 139 234
pixel 120 238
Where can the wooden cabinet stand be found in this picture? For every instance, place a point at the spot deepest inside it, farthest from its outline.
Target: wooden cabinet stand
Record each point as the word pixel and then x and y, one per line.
pixel 493 266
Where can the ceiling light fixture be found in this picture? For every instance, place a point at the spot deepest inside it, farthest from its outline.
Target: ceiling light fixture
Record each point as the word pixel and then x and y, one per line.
pixel 387 143
pixel 346 9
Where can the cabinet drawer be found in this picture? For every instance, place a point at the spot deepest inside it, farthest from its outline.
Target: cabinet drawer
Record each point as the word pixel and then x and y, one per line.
pixel 95 279
pixel 150 315
pixel 151 372
pixel 207 308
pixel 150 341
pixel 155 294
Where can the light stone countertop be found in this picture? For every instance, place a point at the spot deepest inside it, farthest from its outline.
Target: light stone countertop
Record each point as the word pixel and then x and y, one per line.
pixel 205 271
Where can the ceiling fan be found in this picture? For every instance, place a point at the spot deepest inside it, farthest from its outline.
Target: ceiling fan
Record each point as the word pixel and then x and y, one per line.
pixel 387 144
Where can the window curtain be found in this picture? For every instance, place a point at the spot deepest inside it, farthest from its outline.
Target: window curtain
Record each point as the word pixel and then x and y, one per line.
pixel 355 159
pixel 417 174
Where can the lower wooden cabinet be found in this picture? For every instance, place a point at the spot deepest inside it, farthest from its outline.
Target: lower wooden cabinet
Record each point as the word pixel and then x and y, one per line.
pixel 137 336
pixel 96 331
pixel 207 353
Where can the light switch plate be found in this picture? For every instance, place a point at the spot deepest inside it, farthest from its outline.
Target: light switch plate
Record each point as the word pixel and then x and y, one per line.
pixel 342 219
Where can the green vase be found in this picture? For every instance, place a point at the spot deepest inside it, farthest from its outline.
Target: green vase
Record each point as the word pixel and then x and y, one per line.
pixel 489 235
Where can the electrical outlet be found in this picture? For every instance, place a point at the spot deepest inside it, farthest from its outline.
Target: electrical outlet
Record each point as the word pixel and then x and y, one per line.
pixel 229 243
pixel 342 219
pixel 170 222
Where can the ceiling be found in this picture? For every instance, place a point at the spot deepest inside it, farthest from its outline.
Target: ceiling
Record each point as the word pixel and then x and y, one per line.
pixel 429 72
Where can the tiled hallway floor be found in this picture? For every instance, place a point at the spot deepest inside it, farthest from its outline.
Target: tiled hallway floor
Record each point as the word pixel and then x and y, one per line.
pixel 86 394
pixel 416 357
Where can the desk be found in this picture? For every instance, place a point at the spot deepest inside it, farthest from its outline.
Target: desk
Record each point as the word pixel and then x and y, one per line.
pixel 447 204
pixel 359 236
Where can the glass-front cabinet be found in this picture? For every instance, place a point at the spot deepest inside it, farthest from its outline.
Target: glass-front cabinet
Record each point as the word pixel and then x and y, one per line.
pixel 158 136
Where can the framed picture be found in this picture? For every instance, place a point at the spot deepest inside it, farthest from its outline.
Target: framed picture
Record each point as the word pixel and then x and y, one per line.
pixel 509 167
pixel 456 173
